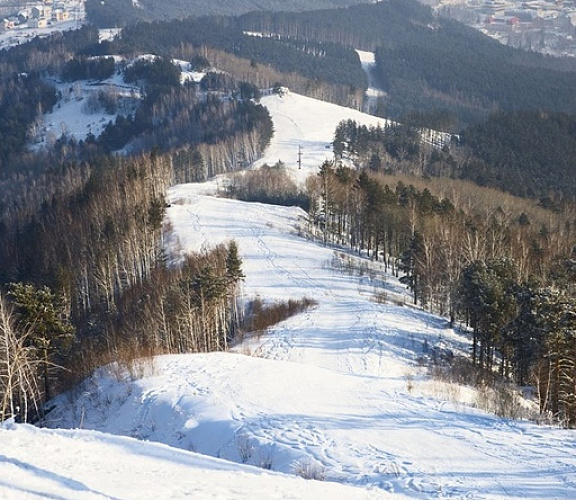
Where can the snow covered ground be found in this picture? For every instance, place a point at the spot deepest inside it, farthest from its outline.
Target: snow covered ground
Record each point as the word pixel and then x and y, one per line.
pixel 374 91
pixel 306 125
pixel 86 465
pixel 336 394
pixel 23 34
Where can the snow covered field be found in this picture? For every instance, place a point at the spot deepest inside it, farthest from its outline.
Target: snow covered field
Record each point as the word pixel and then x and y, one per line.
pixel 335 394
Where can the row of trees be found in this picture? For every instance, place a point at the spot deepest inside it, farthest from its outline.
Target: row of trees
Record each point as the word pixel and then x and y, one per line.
pixel 505 268
pixel 93 284
pixel 265 76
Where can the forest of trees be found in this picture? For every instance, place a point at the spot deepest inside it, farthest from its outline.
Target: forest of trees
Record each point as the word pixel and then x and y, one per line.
pixel 317 61
pixel 505 268
pixel 88 282
pixel 526 153
pixel 432 65
pixel 529 154
pixel 120 13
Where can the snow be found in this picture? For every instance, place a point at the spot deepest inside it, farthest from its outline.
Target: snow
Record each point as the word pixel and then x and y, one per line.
pixel 308 124
pixel 78 465
pixel 22 34
pixel 374 92
pixel 187 73
pixel 71 115
pixel 337 393
pixel 328 390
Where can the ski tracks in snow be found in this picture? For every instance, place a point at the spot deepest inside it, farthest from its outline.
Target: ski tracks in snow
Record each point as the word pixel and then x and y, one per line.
pixel 357 420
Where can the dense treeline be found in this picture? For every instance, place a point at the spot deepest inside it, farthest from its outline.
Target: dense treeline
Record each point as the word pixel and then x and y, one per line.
pixel 119 13
pixel 83 68
pixel 48 54
pixel 432 65
pixel 506 268
pixel 329 62
pixel 433 70
pixel 171 115
pixel 526 153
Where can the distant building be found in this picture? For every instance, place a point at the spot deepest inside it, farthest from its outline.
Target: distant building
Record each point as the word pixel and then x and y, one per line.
pixel 10 23
pixel 60 15
pixel 40 11
pixel 41 22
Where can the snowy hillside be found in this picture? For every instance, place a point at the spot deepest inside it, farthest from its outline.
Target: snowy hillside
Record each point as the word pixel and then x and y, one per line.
pixel 306 125
pixel 338 393
pixel 83 465
pixel 335 393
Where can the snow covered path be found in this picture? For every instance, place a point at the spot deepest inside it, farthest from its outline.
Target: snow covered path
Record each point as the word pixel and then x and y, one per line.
pixel 374 90
pixel 334 393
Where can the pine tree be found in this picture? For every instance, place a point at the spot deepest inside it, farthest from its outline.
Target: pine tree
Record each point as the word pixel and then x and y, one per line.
pixel 234 275
pixel 41 313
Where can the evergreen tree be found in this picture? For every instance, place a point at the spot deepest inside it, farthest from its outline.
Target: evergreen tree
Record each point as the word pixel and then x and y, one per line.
pixel 41 312
pixel 409 265
pixel 234 276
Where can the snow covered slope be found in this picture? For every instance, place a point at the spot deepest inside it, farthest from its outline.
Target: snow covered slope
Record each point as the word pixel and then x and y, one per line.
pixel 85 465
pixel 308 124
pixel 336 393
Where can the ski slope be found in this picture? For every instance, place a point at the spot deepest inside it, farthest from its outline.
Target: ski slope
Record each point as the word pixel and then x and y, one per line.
pixel 306 126
pixel 87 465
pixel 336 391
pixel 336 394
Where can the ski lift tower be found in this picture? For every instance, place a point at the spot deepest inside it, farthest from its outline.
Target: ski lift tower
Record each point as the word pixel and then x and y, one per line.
pixel 299 157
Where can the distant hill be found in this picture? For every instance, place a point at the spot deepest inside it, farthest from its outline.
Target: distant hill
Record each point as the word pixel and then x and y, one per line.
pixel 435 68
pixel 528 154
pixel 112 13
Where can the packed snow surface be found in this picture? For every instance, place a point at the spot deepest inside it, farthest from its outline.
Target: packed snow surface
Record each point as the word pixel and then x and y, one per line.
pixel 336 394
pixel 306 126
pixel 87 465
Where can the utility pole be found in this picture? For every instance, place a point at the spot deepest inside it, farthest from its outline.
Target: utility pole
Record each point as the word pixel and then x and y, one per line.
pixel 299 157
